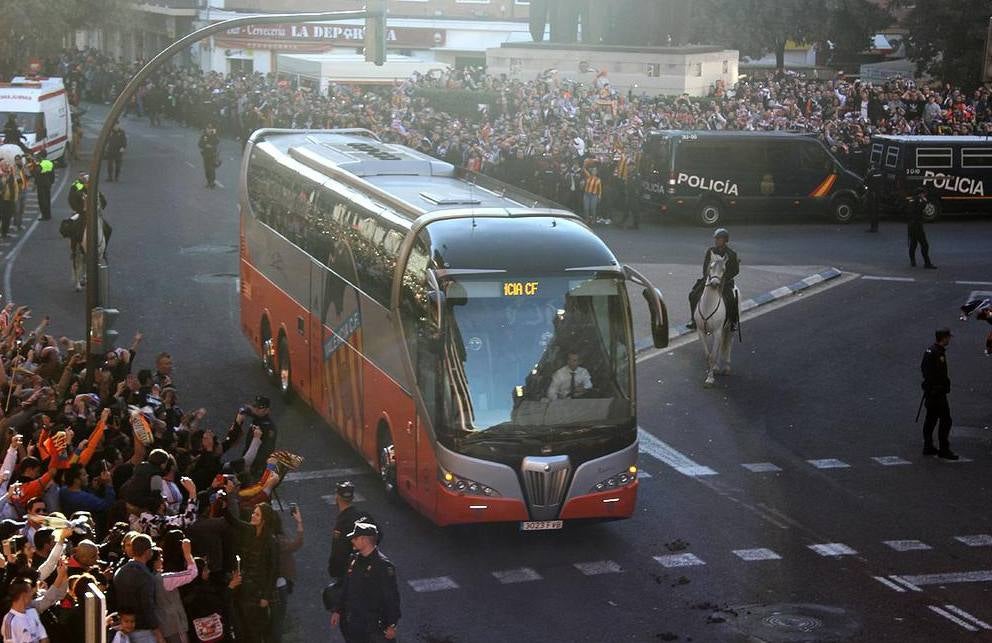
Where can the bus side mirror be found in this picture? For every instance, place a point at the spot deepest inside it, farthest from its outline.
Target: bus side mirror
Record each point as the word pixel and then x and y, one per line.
pixel 656 304
pixel 659 317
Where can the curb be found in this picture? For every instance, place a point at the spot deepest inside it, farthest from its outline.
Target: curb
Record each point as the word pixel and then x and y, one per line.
pixel 645 343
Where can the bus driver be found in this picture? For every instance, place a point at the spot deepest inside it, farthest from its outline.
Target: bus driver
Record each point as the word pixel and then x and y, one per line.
pixel 570 381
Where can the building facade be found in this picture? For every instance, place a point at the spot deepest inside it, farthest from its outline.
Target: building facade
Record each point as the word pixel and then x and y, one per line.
pixel 148 28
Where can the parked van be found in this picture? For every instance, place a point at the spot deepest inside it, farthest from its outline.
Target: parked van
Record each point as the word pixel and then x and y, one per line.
pixel 41 108
pixel 713 174
pixel 957 169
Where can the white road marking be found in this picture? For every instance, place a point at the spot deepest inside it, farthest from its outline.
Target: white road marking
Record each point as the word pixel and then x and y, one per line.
pixel 905 583
pixel 832 549
pixel 812 280
pixel 519 575
pixel 970 617
pixel 829 463
pixel 977 540
pixel 642 474
pixel 652 446
pixel 598 567
pixel 679 560
pixel 890 460
pixel 953 618
pixel 190 164
pixel 906 545
pixel 756 554
pixel 437 584
pixel 761 467
pixel 296 476
pixel 878 278
pixel 885 581
pixel 977 576
pixel 219 184
pixel 974 283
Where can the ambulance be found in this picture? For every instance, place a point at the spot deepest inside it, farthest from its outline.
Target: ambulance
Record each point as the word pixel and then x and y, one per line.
pixel 41 108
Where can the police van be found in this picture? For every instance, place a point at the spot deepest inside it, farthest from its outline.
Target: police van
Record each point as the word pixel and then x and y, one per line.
pixel 40 107
pixel 713 174
pixel 957 169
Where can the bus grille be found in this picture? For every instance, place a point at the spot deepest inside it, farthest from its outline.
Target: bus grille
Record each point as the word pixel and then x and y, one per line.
pixel 545 481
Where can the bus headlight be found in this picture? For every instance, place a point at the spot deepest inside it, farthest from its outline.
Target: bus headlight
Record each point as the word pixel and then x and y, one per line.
pixel 464 486
pixel 621 479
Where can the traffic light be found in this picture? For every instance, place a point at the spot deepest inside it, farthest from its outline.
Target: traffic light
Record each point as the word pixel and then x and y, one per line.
pixel 103 337
pixel 375 32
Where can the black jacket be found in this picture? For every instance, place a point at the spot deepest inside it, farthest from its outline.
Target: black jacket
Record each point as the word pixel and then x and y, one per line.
pixel 370 599
pixel 732 265
pixel 209 143
pixel 116 143
pixel 934 368
pixel 341 549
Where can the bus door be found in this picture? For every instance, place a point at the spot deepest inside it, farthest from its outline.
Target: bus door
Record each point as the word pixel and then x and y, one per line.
pixel 336 333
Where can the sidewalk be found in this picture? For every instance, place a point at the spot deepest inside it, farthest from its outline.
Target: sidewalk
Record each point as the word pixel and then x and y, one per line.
pixel 760 284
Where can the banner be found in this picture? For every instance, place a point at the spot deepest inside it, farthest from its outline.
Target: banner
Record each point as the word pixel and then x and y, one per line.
pixel 320 37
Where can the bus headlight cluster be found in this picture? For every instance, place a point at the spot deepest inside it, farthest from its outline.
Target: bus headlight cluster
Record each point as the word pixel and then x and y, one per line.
pixel 618 480
pixel 464 486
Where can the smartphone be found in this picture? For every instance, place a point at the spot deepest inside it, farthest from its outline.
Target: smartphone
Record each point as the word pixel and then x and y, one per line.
pixel 6 548
pixel 293 509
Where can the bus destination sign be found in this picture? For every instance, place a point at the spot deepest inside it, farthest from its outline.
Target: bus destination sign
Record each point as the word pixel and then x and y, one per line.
pixel 519 288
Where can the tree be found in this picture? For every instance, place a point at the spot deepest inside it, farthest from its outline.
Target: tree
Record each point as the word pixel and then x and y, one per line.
pixel 756 27
pixel 38 28
pixel 947 39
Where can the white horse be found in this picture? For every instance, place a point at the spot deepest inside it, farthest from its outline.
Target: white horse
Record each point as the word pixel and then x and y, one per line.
pixel 712 323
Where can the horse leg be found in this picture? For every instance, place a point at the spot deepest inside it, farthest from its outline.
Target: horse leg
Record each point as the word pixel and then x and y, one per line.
pixel 710 355
pixel 728 342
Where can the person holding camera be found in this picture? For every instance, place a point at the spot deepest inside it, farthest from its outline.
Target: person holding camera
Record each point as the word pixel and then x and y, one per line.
pixel 288 545
pixel 249 417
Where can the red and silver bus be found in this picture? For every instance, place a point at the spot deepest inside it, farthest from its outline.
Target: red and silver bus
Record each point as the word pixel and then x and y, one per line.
pixel 472 342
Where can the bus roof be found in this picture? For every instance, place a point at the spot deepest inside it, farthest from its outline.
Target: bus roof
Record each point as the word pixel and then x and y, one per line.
pixel 943 140
pixel 672 133
pixel 414 183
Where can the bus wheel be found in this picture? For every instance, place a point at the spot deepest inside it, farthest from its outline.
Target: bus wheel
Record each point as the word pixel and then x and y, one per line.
pixel 268 352
pixel 387 460
pixel 710 213
pixel 843 209
pixel 932 211
pixel 285 369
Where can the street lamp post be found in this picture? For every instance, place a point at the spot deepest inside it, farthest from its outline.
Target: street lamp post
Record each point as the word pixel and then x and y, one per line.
pixel 376 10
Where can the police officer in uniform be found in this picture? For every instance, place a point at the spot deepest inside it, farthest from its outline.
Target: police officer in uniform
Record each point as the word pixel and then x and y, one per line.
pixel 369 607
pixel 936 386
pixel 733 267
pixel 43 173
pixel 916 206
pixel 348 515
pixel 874 184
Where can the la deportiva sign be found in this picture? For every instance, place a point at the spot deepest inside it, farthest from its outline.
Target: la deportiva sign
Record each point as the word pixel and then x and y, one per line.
pixel 333 34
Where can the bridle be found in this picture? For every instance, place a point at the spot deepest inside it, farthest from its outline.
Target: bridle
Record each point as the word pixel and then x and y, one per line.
pixel 719 287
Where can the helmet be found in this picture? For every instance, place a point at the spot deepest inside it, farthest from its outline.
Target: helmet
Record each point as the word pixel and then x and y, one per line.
pixel 721 232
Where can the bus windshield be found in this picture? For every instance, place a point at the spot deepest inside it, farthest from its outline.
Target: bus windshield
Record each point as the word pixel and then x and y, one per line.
pixel 527 353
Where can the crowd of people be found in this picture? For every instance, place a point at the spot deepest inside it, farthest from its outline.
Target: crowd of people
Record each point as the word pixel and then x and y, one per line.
pixel 539 133
pixel 108 481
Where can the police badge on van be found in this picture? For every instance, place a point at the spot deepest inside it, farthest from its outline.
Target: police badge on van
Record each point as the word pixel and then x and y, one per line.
pixel 723 186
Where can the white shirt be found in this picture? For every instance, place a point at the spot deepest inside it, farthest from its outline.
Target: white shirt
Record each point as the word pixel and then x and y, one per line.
pixel 23 627
pixel 561 382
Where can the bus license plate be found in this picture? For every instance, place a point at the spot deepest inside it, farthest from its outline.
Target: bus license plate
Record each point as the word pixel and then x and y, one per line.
pixel 541 525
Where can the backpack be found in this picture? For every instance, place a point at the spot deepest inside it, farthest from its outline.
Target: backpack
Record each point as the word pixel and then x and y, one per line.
pixel 67 228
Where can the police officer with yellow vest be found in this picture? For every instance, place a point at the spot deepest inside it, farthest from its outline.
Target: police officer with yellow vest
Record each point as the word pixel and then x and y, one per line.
pixel 369 607
pixel 43 173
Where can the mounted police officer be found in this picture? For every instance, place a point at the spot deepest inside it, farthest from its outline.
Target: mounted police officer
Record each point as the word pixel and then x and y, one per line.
pixel 733 267
pixel 369 607
pixel 74 228
pixel 936 386
pixel 348 515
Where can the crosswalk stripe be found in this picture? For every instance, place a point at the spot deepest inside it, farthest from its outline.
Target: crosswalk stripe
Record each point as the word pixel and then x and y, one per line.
pixel 756 554
pixel 963 614
pixel 952 618
pixel 890 460
pixel 761 467
pixel 906 545
pixel 832 549
pixel 976 540
pixel 519 575
pixel 437 584
pixel 659 450
pixel 888 583
pixel 829 463
pixel 679 560
pixel 598 567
